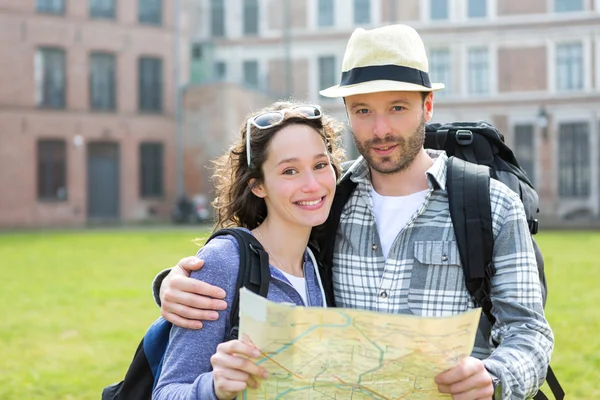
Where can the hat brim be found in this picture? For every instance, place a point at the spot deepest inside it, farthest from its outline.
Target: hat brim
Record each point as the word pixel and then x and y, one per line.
pixel 377 86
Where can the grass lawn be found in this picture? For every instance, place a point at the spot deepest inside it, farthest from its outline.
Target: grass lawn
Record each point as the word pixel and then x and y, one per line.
pixel 76 303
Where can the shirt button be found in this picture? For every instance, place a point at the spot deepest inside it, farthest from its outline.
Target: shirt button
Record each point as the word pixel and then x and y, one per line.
pixel 383 295
pixel 374 247
pixel 444 258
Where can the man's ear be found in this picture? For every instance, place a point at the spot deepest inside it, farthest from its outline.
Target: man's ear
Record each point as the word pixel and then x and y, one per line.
pixel 257 189
pixel 428 107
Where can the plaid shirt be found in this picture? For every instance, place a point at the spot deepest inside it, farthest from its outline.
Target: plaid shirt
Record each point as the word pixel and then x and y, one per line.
pixel 423 275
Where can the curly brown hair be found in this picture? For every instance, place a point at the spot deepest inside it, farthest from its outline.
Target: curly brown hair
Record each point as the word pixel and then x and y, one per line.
pixel 235 204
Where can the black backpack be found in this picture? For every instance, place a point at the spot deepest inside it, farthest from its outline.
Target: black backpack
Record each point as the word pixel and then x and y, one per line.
pixel 468 185
pixel 144 370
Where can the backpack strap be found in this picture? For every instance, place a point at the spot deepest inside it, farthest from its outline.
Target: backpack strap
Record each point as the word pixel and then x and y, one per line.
pixel 254 273
pixel 554 385
pixel 468 187
pixel 322 239
pixel 326 233
pixel 342 193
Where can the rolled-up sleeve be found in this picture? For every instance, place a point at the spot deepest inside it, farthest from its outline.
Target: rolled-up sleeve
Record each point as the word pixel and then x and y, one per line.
pixel 525 338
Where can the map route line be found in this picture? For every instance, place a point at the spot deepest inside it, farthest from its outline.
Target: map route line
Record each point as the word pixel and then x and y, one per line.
pixel 281 366
pixel 353 385
pixel 308 331
pixel 383 363
pixel 359 386
pixel 381 355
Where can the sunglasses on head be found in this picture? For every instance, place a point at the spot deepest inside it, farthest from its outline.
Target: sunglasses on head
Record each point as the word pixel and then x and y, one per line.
pixel 273 118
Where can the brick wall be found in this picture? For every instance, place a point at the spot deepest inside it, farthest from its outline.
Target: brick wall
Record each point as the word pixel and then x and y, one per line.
pixel 213 115
pixel 22 124
pixel 513 77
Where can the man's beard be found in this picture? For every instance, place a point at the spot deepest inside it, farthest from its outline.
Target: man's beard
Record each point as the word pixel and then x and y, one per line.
pixel 409 149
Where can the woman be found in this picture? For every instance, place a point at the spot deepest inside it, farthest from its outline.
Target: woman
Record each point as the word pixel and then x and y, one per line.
pixel 278 182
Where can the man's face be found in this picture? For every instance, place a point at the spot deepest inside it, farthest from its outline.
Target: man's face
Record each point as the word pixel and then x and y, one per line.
pixel 389 127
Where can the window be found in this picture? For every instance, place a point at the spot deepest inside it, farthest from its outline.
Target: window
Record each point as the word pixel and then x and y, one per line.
pixel 362 11
pixel 524 149
pixel 325 13
pixel 102 9
pixel 102 81
pixel 150 12
pixel 150 84
pixel 251 73
pixel 52 170
pixel 327 75
pixel 220 71
pixel 478 71
pixel 569 66
pixel 51 6
pixel 438 9
pixel 568 5
pixel 440 69
pixel 50 77
pixel 196 51
pixel 250 17
pixel 151 169
pixel 477 8
pixel 574 160
pixel 217 18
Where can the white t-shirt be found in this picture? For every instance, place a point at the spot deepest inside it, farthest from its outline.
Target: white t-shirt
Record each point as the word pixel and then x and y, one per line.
pixel 299 284
pixel 392 213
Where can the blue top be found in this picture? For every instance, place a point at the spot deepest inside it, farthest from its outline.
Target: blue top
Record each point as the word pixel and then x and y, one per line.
pixel 186 370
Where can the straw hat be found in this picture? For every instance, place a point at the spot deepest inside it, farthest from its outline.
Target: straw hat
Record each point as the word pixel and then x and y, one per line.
pixel 384 59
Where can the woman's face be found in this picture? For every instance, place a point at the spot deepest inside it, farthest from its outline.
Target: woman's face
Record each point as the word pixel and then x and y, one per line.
pixel 299 180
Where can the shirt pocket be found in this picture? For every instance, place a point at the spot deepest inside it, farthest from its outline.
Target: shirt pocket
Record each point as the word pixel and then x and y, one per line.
pixel 437 284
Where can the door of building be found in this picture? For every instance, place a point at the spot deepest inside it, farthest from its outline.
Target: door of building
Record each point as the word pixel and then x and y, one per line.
pixel 103 181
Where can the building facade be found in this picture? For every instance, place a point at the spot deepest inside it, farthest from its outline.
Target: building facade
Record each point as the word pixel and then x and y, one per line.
pixel 532 68
pixel 210 126
pixel 87 106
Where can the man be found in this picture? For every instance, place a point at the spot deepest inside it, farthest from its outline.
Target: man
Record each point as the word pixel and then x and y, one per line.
pixel 395 249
